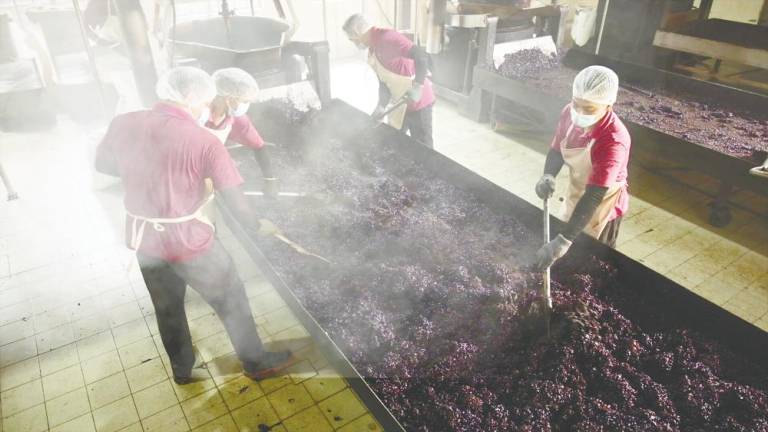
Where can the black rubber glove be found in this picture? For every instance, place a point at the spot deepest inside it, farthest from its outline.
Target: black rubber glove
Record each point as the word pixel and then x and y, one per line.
pixel 584 211
pixel 421 63
pixel 270 187
pixel 553 163
pixel 545 187
pixel 551 252
pixel 264 161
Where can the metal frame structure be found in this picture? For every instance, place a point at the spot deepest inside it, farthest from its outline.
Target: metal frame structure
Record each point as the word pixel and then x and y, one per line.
pixel 549 20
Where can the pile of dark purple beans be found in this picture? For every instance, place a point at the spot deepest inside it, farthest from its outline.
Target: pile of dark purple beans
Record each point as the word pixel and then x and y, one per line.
pixel 425 298
pixel 527 63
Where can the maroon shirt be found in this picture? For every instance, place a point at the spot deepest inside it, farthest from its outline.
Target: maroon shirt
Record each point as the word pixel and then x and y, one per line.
pixel 163 157
pixel 392 49
pixel 242 132
pixel 610 152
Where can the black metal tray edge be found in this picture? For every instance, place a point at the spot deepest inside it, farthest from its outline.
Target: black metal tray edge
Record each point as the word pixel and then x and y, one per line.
pixel 324 342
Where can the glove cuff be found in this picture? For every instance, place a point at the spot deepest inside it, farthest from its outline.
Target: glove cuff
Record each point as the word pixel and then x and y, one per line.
pixel 563 240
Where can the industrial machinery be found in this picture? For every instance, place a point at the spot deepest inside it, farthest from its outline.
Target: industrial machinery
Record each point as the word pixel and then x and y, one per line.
pixel 661 295
pixel 470 32
pixel 744 46
pixel 259 45
pixel 48 71
pixel 676 35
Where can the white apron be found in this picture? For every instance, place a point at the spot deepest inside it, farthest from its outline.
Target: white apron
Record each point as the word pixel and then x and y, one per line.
pixel 398 85
pixel 140 223
pixel 579 161
pixel 221 134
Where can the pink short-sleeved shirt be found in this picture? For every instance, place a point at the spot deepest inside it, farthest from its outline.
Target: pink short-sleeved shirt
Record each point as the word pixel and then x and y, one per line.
pixel 163 158
pixel 610 152
pixel 391 49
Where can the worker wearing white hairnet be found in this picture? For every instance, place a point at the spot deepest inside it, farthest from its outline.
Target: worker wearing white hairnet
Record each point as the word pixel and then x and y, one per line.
pixel 594 144
pixel 163 156
pixel 229 121
pixel 402 70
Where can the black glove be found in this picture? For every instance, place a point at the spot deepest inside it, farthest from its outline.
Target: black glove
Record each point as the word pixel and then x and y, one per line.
pixel 545 187
pixel 270 187
pixel 551 252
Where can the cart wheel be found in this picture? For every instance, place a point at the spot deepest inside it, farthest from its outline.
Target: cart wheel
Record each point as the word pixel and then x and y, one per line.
pixel 720 216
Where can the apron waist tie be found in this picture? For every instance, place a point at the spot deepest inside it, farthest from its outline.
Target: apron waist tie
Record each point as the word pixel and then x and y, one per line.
pixel 140 223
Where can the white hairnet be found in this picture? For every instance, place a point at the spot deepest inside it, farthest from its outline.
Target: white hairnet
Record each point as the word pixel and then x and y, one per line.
pixel 186 85
pixel 596 84
pixel 356 25
pixel 236 83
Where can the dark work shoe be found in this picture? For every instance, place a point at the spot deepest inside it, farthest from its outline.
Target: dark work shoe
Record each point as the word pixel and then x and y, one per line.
pixel 182 380
pixel 195 375
pixel 270 364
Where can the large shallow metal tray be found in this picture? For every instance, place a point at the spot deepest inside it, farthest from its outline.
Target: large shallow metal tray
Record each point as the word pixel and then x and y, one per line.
pixel 663 296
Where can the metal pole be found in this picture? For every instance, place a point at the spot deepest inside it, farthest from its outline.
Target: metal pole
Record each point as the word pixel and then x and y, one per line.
pixel 602 27
pixel 394 14
pixel 546 285
pixel 325 21
pixel 12 194
pixel 89 53
pixel 136 37
pixel 18 13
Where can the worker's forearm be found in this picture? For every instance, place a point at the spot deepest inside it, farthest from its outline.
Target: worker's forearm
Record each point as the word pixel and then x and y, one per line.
pixel 421 62
pixel 584 211
pixel 265 163
pixel 384 95
pixel 235 201
pixel 105 163
pixel 554 163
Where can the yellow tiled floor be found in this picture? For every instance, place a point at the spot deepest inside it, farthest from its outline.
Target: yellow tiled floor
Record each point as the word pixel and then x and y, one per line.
pixel 79 345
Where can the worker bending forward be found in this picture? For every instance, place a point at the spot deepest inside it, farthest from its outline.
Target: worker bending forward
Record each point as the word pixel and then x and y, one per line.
pixel 401 68
pixel 229 121
pixel 594 144
pixel 163 156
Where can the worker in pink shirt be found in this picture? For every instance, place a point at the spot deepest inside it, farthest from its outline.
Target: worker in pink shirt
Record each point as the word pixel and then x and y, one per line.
pixel 163 156
pixel 593 142
pixel 402 69
pixel 235 90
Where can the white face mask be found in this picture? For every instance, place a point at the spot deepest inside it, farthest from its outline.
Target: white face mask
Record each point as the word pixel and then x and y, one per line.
pixel 354 39
pixel 205 114
pixel 583 120
pixel 240 110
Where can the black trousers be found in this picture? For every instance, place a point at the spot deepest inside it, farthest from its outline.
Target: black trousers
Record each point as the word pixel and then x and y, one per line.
pixel 215 277
pixel 418 124
pixel 610 233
